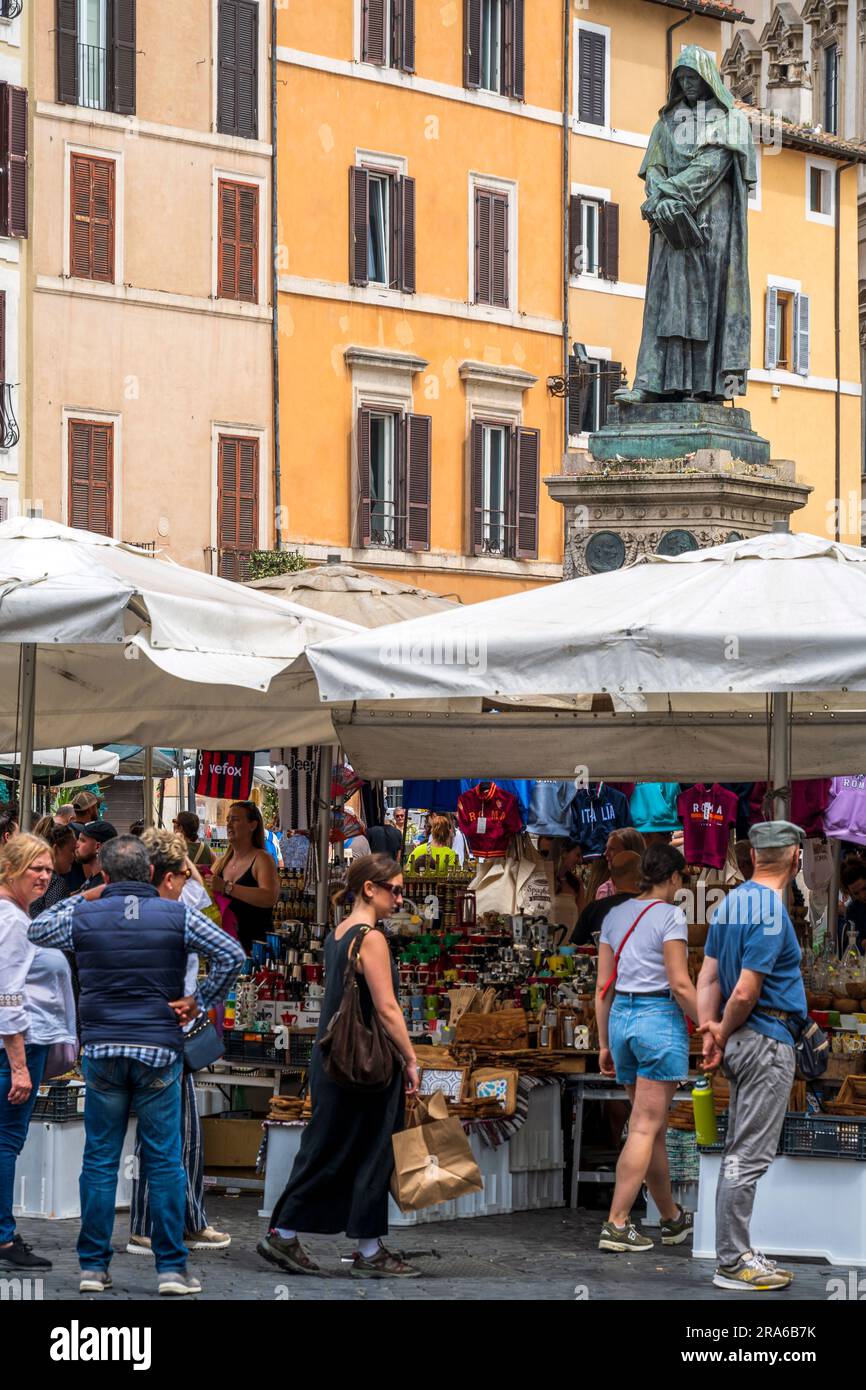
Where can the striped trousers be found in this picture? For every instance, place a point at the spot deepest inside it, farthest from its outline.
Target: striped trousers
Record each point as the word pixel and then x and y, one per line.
pixel 192 1156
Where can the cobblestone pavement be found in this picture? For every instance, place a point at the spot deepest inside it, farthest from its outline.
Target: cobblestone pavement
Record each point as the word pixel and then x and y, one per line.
pixel 530 1255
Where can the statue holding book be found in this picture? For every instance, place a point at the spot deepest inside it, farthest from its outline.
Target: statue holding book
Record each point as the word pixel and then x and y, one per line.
pixel 698 169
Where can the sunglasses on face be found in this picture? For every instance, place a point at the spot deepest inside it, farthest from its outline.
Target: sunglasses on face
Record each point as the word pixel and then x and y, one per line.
pixel 392 888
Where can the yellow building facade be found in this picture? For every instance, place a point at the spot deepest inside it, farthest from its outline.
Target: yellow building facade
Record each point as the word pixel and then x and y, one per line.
pixel 430 140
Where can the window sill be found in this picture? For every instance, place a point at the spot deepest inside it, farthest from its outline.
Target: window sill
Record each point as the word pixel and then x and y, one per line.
pixel 434 561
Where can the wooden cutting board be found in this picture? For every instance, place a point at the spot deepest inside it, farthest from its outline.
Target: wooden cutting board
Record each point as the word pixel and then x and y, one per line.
pixel 503 1031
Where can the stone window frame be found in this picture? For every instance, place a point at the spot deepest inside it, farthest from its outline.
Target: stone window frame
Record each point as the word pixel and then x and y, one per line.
pixel 828 22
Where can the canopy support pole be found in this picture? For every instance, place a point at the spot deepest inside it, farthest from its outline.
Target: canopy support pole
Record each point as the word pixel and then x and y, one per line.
pixel 323 831
pixel 780 755
pixel 27 706
pixel 148 787
pixel 833 895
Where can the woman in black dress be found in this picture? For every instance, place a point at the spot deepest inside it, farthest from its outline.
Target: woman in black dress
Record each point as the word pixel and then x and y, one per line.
pixel 341 1176
pixel 247 875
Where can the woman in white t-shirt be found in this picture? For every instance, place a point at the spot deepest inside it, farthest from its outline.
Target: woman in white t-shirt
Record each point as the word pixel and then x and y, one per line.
pixel 644 1040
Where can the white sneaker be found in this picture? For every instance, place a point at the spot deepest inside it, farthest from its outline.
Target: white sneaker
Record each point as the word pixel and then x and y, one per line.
pixel 177 1281
pixel 139 1245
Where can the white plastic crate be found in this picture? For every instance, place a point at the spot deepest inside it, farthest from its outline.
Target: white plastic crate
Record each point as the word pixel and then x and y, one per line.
pixel 284 1140
pixel 496 1197
pixel 803 1206
pixel 49 1165
pixel 536 1190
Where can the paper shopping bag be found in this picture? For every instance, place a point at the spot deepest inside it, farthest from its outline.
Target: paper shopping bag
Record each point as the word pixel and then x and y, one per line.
pixel 433 1162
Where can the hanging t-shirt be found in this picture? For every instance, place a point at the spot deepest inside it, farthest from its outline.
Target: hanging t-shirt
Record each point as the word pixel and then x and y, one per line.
pixel 228 776
pixel 707 814
pixel 520 787
pixel 596 811
pixel 550 807
pixel 809 798
pixel 297 785
pixel 431 795
pixel 488 819
pixel 653 806
pixel 743 792
pixel 845 816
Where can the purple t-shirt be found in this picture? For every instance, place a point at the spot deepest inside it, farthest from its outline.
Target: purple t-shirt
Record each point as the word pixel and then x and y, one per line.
pixel 845 816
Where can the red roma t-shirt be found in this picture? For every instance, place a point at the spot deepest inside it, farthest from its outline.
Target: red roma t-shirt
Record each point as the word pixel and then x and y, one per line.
pixel 489 820
pixel 707 814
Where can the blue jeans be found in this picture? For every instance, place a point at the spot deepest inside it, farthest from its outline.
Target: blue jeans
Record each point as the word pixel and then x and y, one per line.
pixel 113 1083
pixel 648 1037
pixel 14 1123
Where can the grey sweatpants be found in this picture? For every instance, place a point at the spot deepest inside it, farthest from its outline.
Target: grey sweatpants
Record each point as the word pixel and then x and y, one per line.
pixel 761 1072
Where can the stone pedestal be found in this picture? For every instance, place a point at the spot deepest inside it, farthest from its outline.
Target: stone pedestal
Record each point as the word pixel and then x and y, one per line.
pixel 617 512
pixel 674 429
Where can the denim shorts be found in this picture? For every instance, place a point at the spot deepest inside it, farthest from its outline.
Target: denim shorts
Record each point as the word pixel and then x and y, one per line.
pixel 648 1037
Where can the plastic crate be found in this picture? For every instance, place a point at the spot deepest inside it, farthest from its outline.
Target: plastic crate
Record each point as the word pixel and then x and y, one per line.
pixel 59 1103
pixel 824 1136
pixel 300 1050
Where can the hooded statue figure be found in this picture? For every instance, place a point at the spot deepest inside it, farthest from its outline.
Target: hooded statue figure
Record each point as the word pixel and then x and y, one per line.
pixel 698 168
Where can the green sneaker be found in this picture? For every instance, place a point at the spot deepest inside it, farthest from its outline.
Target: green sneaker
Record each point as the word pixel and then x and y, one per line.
pixel 676 1229
pixel 625 1239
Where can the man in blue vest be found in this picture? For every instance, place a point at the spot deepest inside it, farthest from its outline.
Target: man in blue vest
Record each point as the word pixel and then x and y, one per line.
pixel 131 948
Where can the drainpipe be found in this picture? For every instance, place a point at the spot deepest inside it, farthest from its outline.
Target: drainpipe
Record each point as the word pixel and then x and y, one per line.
pixel 837 328
pixel 566 196
pixel 275 287
pixel 669 38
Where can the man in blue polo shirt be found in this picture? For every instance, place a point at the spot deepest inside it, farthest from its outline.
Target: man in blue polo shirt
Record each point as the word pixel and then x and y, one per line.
pixel 749 987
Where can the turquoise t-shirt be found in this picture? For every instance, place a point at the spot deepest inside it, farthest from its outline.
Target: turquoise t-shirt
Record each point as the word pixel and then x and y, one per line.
pixel 751 930
pixel 653 806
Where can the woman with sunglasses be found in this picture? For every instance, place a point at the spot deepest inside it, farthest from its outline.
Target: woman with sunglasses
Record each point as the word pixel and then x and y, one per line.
pixel 341 1177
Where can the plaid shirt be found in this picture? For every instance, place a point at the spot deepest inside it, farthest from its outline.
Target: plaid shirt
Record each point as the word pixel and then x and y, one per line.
pixel 54 928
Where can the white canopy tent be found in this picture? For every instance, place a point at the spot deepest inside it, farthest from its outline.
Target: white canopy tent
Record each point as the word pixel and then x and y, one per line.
pixel 105 642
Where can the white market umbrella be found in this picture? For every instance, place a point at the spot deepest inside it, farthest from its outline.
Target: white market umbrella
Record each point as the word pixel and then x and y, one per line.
pixel 82 758
pixel 682 652
pixel 341 591
pixel 102 641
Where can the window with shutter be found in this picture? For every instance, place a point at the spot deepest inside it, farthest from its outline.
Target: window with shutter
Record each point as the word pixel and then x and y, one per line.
pixel 404 25
pixel 238 241
pixel 801 331
pixel 238 68
pixel 406 196
pixel 417 454
pixel 491 248
pixel 476 487
pixel 374 32
pixel 66 50
pixel 13 153
pixel 513 77
pixel 92 217
pixel 770 316
pixel 526 445
pixel 591 63
pixel 359 217
pixel 237 503
pixel 472 25
pixel 91 476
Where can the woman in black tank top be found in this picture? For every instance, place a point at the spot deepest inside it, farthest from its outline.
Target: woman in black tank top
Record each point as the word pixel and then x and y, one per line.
pixel 341 1177
pixel 247 875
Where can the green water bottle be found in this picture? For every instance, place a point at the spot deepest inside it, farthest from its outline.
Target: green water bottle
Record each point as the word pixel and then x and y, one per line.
pixel 706 1129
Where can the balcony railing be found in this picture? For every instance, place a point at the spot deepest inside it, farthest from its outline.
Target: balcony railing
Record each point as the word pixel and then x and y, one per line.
pixel 92 77
pixel 9 431
pixel 149 546
pixel 228 564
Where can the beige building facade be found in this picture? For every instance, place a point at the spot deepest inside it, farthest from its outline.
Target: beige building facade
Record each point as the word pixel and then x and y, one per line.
pixel 150 410
pixel 15 225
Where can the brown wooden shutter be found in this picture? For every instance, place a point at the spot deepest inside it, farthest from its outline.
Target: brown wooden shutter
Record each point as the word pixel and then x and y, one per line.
pixel 227 67
pixel 123 57
pixel 359 218
pixel 91 476
pixel 472 43
pixel 526 460
pixel 406 194
pixel 418 466
pixel 579 386
pixel 482 246
pixel 237 503
pixel 609 237
pixel 476 483
pixel 13 184
pixel 575 235
pixel 373 34
pixel 227 251
pixel 499 251
pixel 66 49
pixel 364 521
pixel 92 217
pixel 406 45
pixel 248 243
pixel 247 70
pixel 517 66
pixel 612 382
pixel 590 77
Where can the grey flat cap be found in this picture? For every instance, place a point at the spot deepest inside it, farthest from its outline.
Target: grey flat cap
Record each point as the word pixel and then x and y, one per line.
pixel 775 834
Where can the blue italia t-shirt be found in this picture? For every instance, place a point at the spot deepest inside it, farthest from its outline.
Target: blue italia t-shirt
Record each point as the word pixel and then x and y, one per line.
pixel 751 930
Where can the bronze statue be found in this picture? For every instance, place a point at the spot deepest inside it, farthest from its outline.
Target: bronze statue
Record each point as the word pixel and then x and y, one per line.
pixel 698 168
